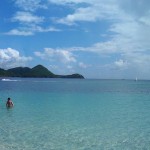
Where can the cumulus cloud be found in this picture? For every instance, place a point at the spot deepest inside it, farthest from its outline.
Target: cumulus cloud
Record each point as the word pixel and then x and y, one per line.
pixel 128 22
pixel 11 58
pixel 63 56
pixel 129 25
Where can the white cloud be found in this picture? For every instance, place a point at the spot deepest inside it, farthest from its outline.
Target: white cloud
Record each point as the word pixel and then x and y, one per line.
pixel 131 65
pixel 29 24
pixel 138 61
pixel 63 2
pixel 92 13
pixel 80 15
pixel 30 5
pixel 58 55
pixel 19 32
pixel 82 65
pixel 129 24
pixel 11 58
pixel 31 30
pixel 121 64
pixel 40 29
pixel 26 17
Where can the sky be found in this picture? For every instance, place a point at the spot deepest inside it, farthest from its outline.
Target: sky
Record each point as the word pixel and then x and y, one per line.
pixel 100 39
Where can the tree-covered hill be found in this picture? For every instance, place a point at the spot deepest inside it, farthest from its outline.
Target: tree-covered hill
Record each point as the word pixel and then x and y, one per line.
pixel 38 71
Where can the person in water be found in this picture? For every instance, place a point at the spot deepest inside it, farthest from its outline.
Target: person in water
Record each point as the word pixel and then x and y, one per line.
pixel 9 103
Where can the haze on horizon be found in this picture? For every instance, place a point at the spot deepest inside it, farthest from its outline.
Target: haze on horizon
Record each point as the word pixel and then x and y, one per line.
pixel 96 38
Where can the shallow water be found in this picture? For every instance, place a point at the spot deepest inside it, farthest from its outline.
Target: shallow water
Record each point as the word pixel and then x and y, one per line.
pixel 74 114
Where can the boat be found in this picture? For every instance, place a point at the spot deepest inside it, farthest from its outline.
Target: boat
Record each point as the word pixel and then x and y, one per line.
pixel 5 79
pixel 8 80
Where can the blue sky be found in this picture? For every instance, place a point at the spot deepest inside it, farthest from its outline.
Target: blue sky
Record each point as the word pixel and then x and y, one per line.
pixel 96 38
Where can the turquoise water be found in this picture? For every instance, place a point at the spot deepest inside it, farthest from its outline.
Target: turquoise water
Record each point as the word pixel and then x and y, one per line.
pixel 72 114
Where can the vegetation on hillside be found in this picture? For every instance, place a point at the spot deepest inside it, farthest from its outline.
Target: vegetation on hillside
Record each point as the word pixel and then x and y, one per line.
pixel 38 71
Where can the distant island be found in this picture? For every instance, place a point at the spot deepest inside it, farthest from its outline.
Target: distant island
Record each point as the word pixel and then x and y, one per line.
pixel 38 71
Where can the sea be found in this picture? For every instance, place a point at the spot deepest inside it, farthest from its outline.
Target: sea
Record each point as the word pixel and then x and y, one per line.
pixel 74 114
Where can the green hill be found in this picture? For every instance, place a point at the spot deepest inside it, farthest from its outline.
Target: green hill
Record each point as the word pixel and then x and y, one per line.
pixel 76 75
pixel 38 71
pixel 41 71
pixel 19 72
pixel 3 72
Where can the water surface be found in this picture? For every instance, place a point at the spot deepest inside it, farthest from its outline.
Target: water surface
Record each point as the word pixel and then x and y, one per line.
pixel 75 114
